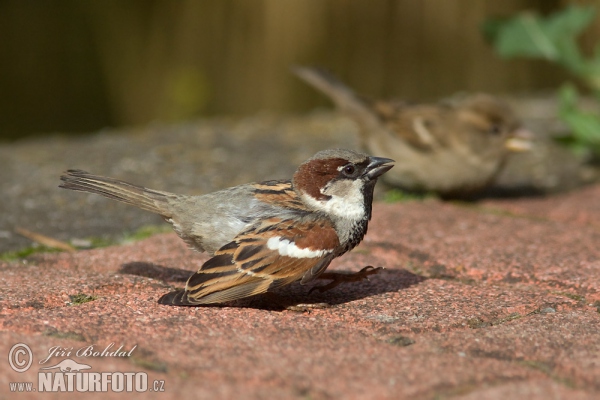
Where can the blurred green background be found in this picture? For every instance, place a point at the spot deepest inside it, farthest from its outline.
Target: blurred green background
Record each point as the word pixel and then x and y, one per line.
pixel 78 66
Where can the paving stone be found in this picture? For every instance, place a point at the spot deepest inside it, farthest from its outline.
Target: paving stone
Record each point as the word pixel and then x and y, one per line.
pixel 473 303
pixel 493 299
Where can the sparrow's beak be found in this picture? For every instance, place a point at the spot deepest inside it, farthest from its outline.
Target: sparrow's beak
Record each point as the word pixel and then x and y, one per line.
pixel 520 140
pixel 377 167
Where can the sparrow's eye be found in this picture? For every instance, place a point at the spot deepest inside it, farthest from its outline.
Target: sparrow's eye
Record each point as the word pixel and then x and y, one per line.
pixel 495 129
pixel 349 170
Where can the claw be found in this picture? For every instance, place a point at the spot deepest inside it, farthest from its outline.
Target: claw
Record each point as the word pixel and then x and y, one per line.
pixel 337 278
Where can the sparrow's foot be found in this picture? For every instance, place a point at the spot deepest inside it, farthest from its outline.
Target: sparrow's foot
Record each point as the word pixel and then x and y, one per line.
pixel 338 278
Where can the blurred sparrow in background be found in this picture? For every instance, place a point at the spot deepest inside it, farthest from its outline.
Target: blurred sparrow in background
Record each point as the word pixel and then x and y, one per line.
pixel 454 148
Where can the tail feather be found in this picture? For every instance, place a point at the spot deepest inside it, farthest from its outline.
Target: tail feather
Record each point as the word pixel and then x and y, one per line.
pixel 175 298
pixel 139 196
pixel 342 96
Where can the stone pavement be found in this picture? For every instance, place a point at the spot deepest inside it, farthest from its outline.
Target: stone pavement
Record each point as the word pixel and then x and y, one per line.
pixel 194 158
pixel 206 155
pixel 491 300
pixel 488 300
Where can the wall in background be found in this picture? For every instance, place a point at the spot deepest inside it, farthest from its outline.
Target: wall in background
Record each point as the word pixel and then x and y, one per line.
pixel 75 66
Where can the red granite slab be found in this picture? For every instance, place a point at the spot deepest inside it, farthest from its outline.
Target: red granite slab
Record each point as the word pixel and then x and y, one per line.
pixel 473 303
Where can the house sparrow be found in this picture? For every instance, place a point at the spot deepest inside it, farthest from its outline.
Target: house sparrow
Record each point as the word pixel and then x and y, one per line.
pixel 454 148
pixel 261 235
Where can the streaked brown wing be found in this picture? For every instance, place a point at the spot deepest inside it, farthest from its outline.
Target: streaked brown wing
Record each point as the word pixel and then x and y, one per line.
pixel 416 125
pixel 279 193
pixel 271 254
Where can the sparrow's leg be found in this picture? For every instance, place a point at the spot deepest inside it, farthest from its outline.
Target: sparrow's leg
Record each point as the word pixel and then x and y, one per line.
pixel 338 278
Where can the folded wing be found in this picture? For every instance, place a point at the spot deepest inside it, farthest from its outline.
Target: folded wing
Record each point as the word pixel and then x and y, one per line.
pixel 272 253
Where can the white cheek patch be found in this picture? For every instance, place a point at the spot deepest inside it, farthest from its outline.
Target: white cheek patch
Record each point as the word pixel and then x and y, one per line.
pixel 346 200
pixel 289 249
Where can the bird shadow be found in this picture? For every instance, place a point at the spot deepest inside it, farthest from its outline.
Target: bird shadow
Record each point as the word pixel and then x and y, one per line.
pixel 155 271
pixel 295 294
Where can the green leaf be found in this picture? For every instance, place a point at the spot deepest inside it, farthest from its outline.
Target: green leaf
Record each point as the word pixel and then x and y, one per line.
pixel 590 72
pixel 569 22
pixel 568 97
pixel 552 38
pixel 524 36
pixel 585 126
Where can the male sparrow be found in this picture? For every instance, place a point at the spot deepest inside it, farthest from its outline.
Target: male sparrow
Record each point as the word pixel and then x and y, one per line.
pixel 261 235
pixel 454 148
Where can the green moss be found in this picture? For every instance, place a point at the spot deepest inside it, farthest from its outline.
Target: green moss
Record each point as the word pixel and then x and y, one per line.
pixel 477 322
pixel 397 195
pixel 572 296
pixel 65 335
pixel 149 364
pixel 547 369
pixel 99 242
pixel 128 237
pixel 80 298
pixel 95 242
pixel 145 232
pixel 537 365
pixel 509 317
pixel 26 252
pixel 401 341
